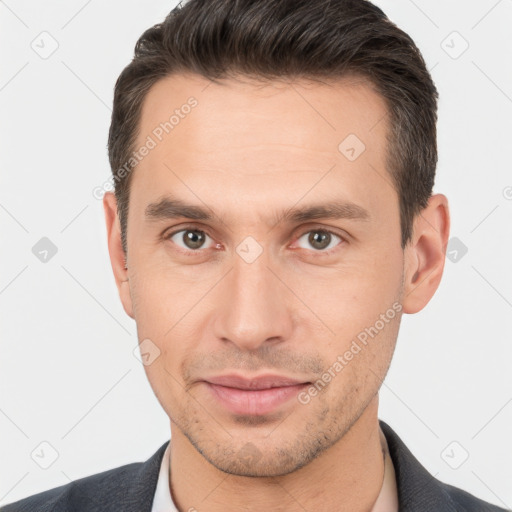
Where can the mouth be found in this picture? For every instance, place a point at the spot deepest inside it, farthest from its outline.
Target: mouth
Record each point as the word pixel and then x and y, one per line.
pixel 254 396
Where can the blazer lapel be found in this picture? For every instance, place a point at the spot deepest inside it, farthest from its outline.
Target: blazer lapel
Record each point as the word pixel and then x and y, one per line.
pixel 138 487
pixel 418 490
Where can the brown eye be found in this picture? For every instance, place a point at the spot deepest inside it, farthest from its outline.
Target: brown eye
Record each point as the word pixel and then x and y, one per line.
pixel 321 239
pixel 188 239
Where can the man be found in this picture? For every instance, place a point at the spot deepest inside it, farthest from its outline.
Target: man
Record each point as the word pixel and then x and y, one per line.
pixel 273 218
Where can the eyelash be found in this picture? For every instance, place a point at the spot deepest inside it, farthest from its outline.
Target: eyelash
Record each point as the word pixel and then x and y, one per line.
pixel 191 252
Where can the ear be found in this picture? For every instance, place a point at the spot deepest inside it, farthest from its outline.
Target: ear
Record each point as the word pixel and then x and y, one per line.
pixel 425 254
pixel 115 249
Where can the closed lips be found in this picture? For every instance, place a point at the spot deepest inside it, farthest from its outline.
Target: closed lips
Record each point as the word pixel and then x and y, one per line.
pixel 254 384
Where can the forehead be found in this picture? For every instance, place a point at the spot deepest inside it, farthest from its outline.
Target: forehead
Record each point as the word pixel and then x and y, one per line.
pixel 315 114
pixel 256 140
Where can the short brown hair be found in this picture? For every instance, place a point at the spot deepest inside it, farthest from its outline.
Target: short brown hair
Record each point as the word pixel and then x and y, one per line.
pixel 276 39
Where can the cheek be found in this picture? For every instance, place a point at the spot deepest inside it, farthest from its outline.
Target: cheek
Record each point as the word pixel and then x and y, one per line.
pixel 168 349
pixel 166 385
pixel 357 362
pixel 160 297
pixel 348 300
pixel 362 308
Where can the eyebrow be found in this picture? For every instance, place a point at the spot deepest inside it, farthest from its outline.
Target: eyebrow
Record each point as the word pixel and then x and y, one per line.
pixel 170 208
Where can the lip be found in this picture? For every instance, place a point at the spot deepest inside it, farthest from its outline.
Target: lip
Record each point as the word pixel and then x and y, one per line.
pixel 255 383
pixel 256 396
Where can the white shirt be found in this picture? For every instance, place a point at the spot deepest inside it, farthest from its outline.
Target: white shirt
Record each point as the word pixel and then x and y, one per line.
pixel 386 502
pixel 163 501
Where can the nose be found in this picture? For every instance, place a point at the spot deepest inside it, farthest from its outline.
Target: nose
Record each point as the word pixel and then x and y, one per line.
pixel 254 305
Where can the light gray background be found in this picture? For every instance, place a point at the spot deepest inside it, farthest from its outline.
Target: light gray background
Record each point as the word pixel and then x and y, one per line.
pixel 68 373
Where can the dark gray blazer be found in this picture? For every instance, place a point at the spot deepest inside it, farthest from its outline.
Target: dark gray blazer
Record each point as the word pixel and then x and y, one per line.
pixel 131 488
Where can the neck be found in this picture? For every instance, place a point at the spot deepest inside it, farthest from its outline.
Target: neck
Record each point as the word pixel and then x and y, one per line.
pixel 346 477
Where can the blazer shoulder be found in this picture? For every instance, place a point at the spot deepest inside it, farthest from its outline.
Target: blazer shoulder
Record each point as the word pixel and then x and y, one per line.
pixel 129 488
pixel 419 491
pixel 467 502
pixel 88 492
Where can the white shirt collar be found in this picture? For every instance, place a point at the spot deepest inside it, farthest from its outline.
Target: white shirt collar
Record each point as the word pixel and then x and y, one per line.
pixel 162 501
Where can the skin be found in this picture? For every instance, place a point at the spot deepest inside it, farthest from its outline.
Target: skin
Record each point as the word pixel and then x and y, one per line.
pixel 250 152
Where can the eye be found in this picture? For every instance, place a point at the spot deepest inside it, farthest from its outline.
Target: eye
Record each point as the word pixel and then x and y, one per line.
pixel 322 240
pixel 192 239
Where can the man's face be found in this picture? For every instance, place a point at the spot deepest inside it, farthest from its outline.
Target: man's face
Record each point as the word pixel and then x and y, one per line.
pixel 251 291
